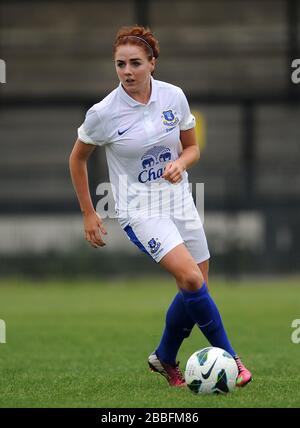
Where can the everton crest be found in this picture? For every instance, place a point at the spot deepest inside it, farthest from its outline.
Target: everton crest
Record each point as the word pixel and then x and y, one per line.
pixel 154 245
pixel 170 118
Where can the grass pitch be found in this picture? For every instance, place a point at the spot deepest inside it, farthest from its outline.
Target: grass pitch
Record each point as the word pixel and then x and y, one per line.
pixel 85 344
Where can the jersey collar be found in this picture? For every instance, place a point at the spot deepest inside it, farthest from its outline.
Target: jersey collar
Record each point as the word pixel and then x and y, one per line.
pixel 133 103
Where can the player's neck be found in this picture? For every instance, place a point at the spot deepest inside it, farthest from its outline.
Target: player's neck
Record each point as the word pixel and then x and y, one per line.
pixel 141 95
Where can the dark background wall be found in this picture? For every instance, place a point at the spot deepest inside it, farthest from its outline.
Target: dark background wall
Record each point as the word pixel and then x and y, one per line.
pixel 233 60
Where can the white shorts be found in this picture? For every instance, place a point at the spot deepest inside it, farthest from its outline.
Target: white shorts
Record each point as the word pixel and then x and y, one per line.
pixel 156 236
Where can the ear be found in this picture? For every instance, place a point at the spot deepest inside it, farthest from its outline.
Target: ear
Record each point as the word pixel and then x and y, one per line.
pixel 153 63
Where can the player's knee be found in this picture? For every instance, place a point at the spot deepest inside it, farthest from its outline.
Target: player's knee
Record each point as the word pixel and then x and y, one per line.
pixel 191 280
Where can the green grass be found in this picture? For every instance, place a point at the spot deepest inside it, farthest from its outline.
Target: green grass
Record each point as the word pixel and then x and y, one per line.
pixel 86 344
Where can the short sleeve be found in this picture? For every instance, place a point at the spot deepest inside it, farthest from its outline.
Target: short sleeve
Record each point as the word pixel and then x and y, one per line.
pixel 187 120
pixel 91 131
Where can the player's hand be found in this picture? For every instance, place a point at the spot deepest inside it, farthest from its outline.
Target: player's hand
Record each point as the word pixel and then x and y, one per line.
pixel 93 225
pixel 173 171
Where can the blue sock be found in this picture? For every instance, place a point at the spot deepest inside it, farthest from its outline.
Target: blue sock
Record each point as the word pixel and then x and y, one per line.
pixel 205 313
pixel 178 326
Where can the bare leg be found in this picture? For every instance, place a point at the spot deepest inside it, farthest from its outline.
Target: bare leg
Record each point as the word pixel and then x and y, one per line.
pixel 198 302
pixel 204 267
pixel 183 267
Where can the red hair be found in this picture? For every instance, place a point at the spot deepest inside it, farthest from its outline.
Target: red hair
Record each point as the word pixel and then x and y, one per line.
pixel 139 36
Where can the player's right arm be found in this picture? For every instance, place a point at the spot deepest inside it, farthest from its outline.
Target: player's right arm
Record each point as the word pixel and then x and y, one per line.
pixel 78 168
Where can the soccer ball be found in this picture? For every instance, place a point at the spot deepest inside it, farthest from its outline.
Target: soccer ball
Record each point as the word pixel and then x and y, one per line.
pixel 211 371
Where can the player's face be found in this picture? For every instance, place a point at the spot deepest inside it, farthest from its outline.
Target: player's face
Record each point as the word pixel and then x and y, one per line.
pixel 133 68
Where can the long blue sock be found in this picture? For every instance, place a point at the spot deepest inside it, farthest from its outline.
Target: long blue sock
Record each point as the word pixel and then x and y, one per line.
pixel 178 326
pixel 203 310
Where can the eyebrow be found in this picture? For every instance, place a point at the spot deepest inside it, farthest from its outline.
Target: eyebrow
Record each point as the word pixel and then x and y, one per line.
pixel 131 59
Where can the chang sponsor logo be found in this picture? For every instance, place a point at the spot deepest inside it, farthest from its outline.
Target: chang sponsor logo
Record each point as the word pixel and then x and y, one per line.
pixel 151 163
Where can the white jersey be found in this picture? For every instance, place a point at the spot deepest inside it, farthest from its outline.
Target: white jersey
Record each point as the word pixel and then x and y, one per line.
pixel 140 139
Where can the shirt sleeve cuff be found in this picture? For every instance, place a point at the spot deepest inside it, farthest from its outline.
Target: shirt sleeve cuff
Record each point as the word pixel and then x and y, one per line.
pixel 82 135
pixel 189 123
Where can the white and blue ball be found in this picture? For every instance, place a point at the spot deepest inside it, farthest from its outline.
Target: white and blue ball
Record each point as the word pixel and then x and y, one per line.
pixel 211 371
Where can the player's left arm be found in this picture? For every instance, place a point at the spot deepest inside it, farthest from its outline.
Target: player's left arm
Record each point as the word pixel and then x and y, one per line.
pixel 189 156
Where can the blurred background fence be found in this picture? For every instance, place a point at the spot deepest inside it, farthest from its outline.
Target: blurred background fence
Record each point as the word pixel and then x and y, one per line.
pixel 233 60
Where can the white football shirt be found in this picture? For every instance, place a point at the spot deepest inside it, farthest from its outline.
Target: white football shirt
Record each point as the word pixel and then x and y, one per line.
pixel 140 139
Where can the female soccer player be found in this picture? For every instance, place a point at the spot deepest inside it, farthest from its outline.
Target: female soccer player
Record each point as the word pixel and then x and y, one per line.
pixel 148 133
